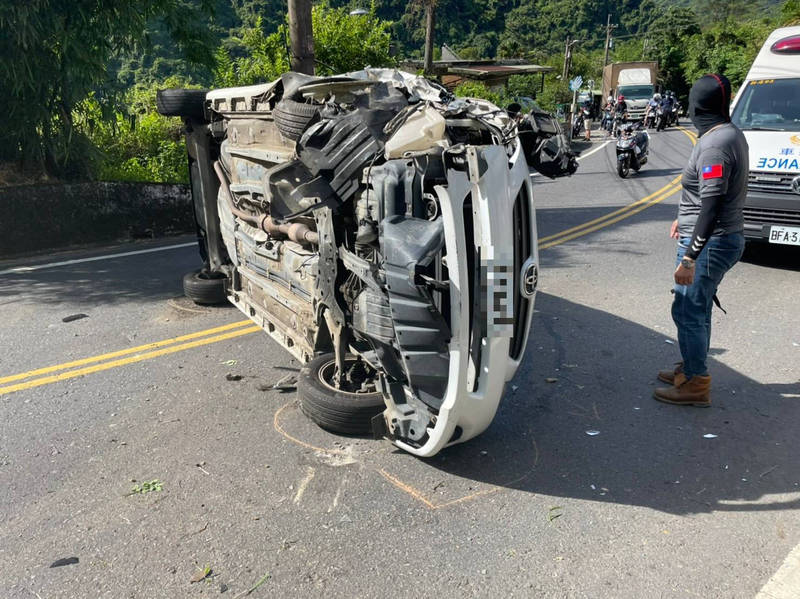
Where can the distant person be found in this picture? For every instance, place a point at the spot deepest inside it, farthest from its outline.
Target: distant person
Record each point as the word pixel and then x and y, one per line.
pixel 588 117
pixel 709 230
pixel 621 106
pixel 620 114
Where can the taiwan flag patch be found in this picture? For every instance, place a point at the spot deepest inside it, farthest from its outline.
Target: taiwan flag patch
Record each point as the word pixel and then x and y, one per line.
pixel 713 171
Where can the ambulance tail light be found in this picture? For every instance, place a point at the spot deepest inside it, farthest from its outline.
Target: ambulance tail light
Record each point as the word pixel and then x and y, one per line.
pixel 788 45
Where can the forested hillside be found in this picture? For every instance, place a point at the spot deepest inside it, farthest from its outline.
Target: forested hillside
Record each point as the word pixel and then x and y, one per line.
pixel 81 76
pixel 534 29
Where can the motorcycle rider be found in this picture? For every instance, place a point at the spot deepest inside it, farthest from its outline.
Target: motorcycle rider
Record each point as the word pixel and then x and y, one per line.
pixel 652 105
pixel 608 118
pixel 666 105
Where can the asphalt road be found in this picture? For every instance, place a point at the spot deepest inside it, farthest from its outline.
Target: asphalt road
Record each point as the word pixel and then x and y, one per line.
pixel 535 507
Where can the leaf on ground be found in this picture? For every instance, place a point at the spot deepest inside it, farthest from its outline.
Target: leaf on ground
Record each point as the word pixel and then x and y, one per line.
pixel 555 512
pixel 201 575
pixel 147 487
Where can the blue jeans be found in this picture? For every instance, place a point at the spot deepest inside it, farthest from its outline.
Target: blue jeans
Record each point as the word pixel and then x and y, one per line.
pixel 691 308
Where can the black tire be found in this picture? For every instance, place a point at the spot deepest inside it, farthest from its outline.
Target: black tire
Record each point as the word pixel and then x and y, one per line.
pixel 335 410
pixel 292 118
pixel 204 287
pixel 622 168
pixel 181 102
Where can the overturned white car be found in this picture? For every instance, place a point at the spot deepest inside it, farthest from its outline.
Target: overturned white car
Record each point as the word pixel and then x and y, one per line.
pixel 382 231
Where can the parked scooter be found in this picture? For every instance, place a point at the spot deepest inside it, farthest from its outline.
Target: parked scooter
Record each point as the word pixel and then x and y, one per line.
pixel 577 123
pixel 579 120
pixel 632 148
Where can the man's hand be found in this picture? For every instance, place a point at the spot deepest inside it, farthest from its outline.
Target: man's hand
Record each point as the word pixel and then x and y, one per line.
pixel 673 230
pixel 683 275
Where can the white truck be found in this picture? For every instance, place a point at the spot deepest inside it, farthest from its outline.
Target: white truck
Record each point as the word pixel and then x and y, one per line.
pixel 634 80
pixel 767 110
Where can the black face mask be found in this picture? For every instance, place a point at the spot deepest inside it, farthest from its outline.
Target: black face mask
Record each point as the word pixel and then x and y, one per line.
pixel 709 102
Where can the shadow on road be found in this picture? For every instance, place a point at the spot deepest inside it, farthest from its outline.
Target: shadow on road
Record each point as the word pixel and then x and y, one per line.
pixel 109 281
pixel 602 372
pixel 772 255
pixel 646 173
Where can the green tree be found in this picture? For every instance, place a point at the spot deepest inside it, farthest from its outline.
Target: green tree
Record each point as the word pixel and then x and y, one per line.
pixel 790 13
pixel 667 38
pixel 55 53
pixel 345 42
pixel 342 42
pixel 727 48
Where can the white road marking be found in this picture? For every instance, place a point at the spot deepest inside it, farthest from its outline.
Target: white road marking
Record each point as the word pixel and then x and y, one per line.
pixel 21 269
pixel 597 149
pixel 581 157
pixel 301 488
pixel 785 583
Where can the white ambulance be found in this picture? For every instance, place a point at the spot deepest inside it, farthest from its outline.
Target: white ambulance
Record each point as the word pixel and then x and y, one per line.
pixel 767 110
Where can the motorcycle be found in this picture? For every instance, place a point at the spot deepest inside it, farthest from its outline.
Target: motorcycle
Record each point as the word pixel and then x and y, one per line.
pixel 632 149
pixel 607 120
pixel 650 119
pixel 619 120
pixel 674 117
pixel 577 123
pixel 661 119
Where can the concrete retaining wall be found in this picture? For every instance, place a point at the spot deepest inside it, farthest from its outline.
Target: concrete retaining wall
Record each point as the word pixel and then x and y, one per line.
pixel 34 218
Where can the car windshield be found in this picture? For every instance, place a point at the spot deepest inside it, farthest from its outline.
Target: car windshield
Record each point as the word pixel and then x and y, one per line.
pixel 771 104
pixel 636 92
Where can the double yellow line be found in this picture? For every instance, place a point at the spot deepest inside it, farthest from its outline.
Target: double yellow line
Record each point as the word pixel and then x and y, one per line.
pixel 617 215
pixel 148 351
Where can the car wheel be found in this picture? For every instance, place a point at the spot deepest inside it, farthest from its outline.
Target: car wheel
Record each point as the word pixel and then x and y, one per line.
pixel 292 118
pixel 349 409
pixel 205 287
pixel 181 102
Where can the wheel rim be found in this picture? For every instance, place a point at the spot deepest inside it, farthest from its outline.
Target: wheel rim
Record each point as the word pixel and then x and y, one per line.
pixel 356 379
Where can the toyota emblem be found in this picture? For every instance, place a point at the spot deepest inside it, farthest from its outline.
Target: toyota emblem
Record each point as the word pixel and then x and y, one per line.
pixel 796 184
pixel 529 278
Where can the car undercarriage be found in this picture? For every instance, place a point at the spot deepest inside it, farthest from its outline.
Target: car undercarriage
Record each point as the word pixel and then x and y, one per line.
pixel 383 232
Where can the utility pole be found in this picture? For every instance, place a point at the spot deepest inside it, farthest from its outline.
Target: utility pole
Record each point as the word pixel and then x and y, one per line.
pixel 301 37
pixel 609 29
pixel 567 58
pixel 430 23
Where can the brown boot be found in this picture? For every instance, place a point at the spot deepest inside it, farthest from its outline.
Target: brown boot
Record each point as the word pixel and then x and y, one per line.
pixel 695 391
pixel 668 376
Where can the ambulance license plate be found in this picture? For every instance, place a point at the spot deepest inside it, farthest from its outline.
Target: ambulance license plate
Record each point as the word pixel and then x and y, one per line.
pixel 785 235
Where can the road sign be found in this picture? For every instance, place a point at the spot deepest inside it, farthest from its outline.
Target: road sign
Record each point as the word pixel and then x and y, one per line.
pixel 575 84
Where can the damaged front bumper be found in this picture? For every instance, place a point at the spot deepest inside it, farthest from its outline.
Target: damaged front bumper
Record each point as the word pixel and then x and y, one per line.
pixel 490 232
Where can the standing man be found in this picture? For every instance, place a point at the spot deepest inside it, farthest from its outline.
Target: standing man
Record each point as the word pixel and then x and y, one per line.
pixel 709 233
pixel 588 117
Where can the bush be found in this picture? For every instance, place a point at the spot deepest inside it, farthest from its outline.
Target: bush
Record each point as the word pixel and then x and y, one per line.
pixel 476 89
pixel 138 144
